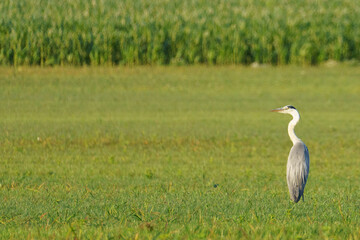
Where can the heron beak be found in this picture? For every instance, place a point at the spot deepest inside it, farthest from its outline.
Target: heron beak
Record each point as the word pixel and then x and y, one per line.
pixel 277 110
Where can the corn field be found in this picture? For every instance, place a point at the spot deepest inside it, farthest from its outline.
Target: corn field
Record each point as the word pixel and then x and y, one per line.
pixel 135 32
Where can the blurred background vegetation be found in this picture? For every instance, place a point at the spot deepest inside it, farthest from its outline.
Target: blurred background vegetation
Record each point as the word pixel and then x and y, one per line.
pixel 178 32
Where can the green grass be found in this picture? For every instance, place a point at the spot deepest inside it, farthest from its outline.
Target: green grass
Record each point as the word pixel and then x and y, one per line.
pixel 178 32
pixel 136 153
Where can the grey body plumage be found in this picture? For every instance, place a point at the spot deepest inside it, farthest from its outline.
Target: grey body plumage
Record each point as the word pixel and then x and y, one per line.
pixel 298 164
pixel 297 170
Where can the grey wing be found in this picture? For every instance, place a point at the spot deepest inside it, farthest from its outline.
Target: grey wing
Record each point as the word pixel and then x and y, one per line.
pixel 298 167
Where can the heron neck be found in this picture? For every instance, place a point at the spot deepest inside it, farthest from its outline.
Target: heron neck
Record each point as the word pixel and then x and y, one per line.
pixel 292 124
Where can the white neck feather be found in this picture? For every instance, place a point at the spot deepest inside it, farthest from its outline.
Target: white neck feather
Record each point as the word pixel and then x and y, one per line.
pixel 292 124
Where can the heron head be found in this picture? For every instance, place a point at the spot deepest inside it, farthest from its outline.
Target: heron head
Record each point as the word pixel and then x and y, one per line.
pixel 286 109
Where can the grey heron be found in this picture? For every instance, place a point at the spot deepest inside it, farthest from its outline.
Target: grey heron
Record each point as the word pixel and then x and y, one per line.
pixel 298 164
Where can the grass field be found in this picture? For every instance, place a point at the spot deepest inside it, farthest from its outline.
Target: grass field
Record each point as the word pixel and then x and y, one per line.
pixel 176 153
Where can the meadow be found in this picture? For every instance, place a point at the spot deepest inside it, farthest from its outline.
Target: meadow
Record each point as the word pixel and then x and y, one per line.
pixel 176 153
pixel 178 32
